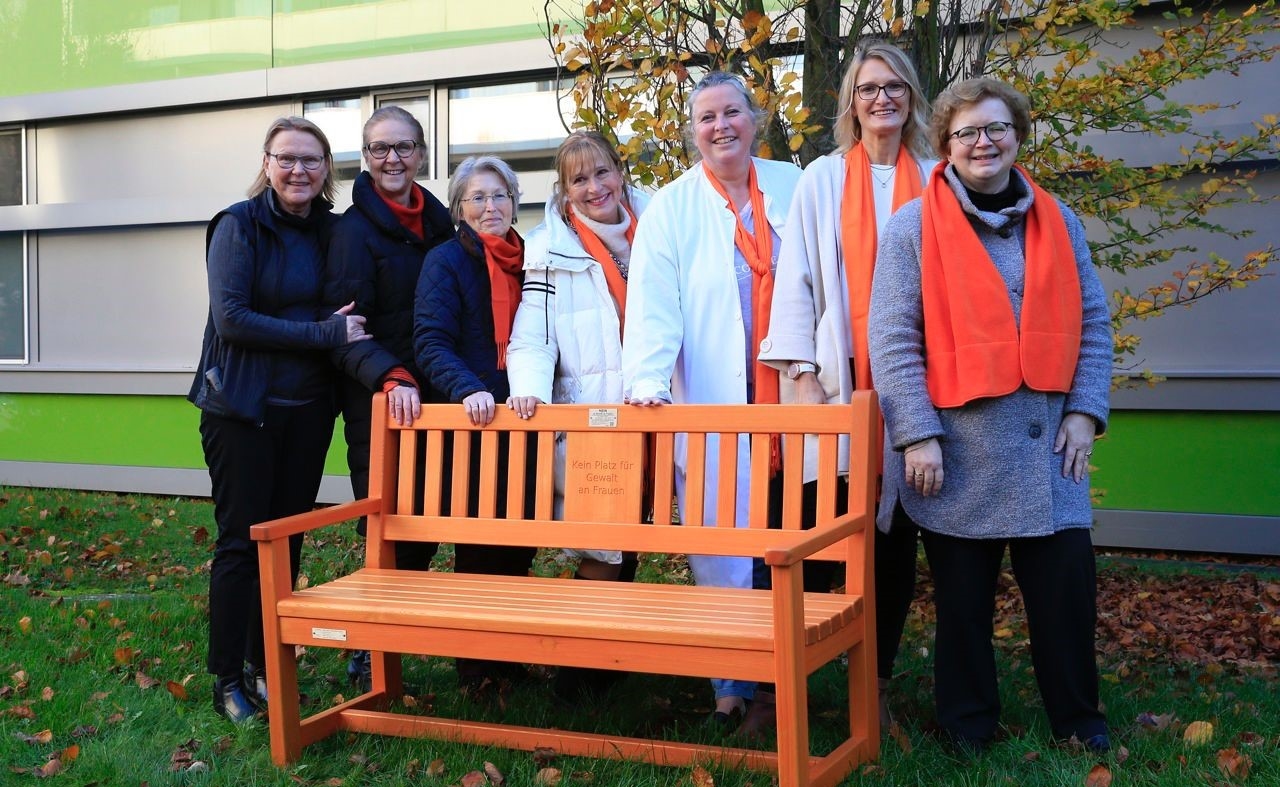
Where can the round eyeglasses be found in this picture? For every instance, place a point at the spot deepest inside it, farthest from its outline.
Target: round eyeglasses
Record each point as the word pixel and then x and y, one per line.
pixel 995 132
pixel 869 91
pixel 404 148
pixel 289 161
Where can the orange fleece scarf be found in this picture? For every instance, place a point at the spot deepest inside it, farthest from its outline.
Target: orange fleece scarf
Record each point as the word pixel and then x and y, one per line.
pixel 409 217
pixel 973 346
pixel 504 256
pixel 757 248
pixel 858 241
pixel 601 254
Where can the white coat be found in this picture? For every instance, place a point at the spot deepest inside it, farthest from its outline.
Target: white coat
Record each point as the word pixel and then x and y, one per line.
pixel 684 335
pixel 810 314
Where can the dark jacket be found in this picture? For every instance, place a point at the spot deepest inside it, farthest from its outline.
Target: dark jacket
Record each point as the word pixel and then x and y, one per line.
pixel 375 261
pixel 268 331
pixel 453 321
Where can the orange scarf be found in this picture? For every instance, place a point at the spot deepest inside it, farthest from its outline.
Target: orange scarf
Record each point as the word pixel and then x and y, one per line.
pixel 973 346
pixel 504 256
pixel 757 248
pixel 601 254
pixel 410 217
pixel 858 241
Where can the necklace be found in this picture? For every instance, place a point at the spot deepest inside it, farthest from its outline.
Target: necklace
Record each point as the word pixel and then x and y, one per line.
pixel 887 169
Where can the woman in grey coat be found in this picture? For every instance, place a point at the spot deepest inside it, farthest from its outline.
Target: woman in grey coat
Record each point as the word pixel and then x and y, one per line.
pixel 990 345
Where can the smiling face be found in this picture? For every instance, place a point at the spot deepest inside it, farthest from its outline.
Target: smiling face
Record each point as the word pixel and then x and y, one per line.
pixel 724 129
pixel 985 166
pixel 594 189
pixel 393 175
pixel 881 116
pixel 295 188
pixel 489 216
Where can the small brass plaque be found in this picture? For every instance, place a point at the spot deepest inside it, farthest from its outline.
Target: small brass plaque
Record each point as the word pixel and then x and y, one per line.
pixel 603 417
pixel 337 635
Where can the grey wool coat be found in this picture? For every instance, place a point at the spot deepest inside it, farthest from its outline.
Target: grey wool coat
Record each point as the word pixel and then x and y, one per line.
pixel 1001 476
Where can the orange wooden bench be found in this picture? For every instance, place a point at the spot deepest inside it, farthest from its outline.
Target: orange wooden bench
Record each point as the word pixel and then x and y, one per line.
pixel 780 635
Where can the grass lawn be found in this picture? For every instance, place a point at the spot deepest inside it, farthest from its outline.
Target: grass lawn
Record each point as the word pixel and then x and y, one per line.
pixel 102 643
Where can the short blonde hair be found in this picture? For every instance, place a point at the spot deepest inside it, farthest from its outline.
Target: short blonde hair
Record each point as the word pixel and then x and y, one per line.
pixel 292 123
pixel 716 79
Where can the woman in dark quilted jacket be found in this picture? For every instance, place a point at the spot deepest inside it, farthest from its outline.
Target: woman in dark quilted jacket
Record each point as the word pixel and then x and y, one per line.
pixel 464 309
pixel 374 259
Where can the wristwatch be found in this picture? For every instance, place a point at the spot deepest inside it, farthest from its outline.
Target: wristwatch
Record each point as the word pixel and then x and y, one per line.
pixel 798 368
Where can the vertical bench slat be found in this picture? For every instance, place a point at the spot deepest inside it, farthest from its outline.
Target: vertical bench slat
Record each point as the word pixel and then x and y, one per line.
pixel 726 496
pixel 546 474
pixel 517 479
pixel 488 495
pixel 458 494
pixel 758 511
pixel 663 477
pixel 695 480
pixel 792 480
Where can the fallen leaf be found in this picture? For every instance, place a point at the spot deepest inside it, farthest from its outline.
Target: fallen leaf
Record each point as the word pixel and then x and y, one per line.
pixel 1233 764
pixel 84 731
pixel 124 655
pixel 702 777
pixel 436 768
pixel 900 737
pixel 177 690
pixel 42 737
pixel 544 756
pixel 46 693
pixel 1031 756
pixel 547 777
pixel 334 782
pixel 1099 776
pixel 494 775
pixel 145 681
pixel 51 768
pixel 1154 721
pixel 473 779
pixel 1197 733
pixel 24 624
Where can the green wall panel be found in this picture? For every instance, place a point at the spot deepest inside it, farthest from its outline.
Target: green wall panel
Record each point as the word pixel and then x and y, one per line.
pixel 143 431
pixel 1195 462
pixel 54 45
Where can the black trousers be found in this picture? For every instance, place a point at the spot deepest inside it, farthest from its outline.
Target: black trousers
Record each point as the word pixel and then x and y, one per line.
pixel 1056 577
pixel 258 473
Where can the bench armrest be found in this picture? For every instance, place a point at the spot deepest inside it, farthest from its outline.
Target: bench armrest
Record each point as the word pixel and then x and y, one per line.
pixel 310 520
pixel 807 542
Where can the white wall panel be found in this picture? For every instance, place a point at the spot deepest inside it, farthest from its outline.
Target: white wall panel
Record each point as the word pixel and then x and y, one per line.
pixel 122 299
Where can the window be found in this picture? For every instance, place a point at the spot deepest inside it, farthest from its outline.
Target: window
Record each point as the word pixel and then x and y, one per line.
pixel 418 105
pixel 11 167
pixel 13 298
pixel 519 122
pixel 340 120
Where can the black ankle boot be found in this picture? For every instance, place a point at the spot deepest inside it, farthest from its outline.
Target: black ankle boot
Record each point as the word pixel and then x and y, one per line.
pixel 255 686
pixel 230 701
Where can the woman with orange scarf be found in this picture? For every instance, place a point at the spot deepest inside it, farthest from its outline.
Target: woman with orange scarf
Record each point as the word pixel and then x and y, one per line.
pixel 818 336
pixel 991 349
pixel 699 294
pixel 464 307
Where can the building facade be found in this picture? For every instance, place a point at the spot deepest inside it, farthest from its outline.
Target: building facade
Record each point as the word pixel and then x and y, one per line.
pixel 125 125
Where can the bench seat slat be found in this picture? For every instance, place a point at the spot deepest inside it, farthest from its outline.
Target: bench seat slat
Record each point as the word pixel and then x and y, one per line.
pixel 726 617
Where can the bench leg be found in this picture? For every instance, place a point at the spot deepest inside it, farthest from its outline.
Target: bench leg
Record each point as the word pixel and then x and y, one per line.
pixel 388 674
pixel 791 680
pixel 284 714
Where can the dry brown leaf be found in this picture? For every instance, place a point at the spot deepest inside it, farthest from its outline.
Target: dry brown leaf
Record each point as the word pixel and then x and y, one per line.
pixel 1197 733
pixel 544 756
pixel 1099 776
pixel 124 655
pixel 1153 721
pixel 494 775
pixel 145 681
pixel 1122 754
pixel 51 768
pixel 583 777
pixel 1233 764
pixel 1031 756
pixel 70 753
pixel 702 777
pixel 46 693
pixel 335 781
pixel 24 624
pixel 548 777
pixel 178 691
pixel 436 768
pixel 21 712
pixel 473 779
pixel 42 737
pixel 115 718
pixel 84 731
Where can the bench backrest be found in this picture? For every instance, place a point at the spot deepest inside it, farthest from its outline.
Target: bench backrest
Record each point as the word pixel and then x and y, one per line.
pixel 443 479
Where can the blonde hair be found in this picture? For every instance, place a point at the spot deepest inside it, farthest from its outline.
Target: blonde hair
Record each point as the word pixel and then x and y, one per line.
pixel 292 123
pixel 915 131
pixel 716 79
pixel 579 148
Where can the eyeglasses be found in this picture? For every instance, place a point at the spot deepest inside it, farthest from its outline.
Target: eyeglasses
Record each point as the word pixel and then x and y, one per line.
pixel 869 91
pixel 995 132
pixel 500 200
pixel 404 148
pixel 289 161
